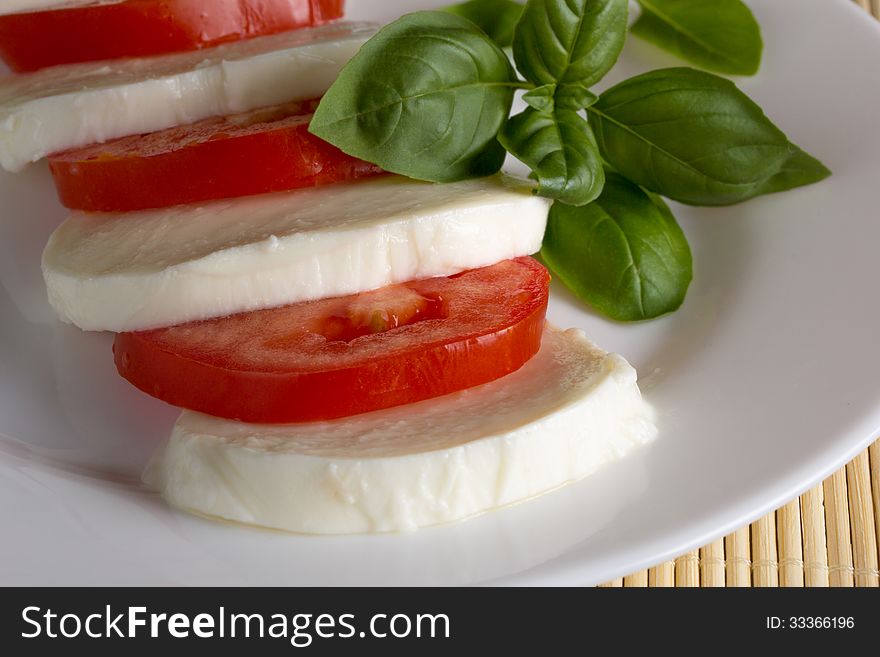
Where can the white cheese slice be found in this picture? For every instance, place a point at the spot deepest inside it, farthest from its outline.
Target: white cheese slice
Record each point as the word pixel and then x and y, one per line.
pixel 78 104
pixel 568 411
pixel 164 267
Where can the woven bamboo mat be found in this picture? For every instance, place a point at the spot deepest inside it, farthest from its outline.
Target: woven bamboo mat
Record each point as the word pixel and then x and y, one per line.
pixel 827 537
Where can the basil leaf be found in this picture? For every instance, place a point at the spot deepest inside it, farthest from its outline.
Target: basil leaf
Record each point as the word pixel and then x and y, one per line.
pixel 567 96
pixel 560 149
pixel 575 97
pixel 721 35
pixel 541 98
pixel 576 41
pixel 798 170
pixel 497 18
pixel 425 98
pixel 624 253
pixel 694 137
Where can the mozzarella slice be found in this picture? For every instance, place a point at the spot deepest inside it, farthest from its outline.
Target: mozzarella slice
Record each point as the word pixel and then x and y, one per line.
pixel 164 267
pixel 568 411
pixel 68 106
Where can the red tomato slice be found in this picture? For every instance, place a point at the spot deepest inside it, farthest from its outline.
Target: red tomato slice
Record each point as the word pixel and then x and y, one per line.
pixel 136 28
pixel 337 357
pixel 267 150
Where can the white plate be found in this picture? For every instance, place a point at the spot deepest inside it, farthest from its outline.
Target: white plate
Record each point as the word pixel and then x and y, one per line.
pixel 766 381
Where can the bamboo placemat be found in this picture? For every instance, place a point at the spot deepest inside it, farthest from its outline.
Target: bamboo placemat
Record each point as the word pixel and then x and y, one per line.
pixel 827 537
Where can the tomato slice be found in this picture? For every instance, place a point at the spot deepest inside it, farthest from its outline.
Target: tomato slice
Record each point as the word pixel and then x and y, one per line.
pixel 337 357
pixel 266 150
pixel 135 28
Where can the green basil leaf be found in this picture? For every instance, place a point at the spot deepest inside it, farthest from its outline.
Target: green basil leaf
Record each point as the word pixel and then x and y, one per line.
pixel 694 137
pixel 721 35
pixel 560 149
pixel 497 18
pixel 547 97
pixel 541 98
pixel 624 254
pixel 575 41
pixel 798 170
pixel 425 98
pixel 574 97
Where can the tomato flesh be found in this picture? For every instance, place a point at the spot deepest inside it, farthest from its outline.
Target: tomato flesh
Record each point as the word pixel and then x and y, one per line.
pixel 136 28
pixel 326 359
pixel 379 311
pixel 257 152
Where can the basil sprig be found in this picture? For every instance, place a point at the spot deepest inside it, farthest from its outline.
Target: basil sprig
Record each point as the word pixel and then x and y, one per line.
pixel 429 97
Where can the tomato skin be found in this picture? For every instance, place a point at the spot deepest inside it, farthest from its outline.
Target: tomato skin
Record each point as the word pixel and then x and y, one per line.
pixel 213 159
pixel 376 379
pixel 138 28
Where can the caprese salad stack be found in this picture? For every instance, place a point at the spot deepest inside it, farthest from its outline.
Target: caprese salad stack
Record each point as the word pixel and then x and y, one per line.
pixel 355 351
